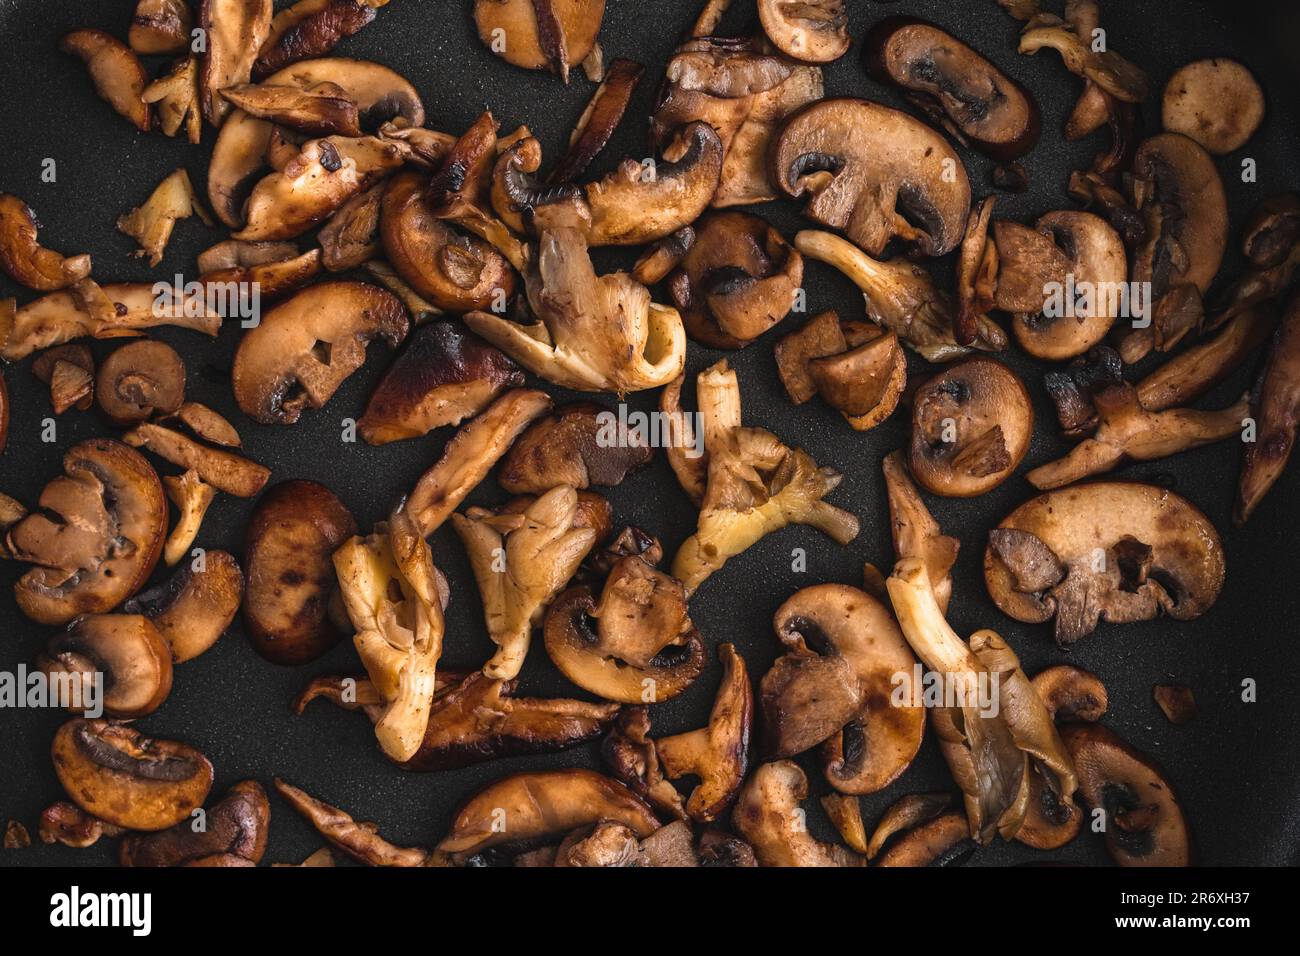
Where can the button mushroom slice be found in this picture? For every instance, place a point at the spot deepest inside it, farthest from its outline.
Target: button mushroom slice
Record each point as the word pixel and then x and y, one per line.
pixel 160 26
pixel 633 758
pixel 1071 693
pixel 114 772
pixel 96 537
pixel 814 31
pixel 237 825
pixel 915 532
pixel 67 823
pixel 139 380
pixel 540 34
pixel 807 698
pixel 23 257
pixel 351 236
pixel 1275 407
pixel 521 561
pixel 311 28
pixel 599 120
pixel 151 224
pixel 864 384
pixel 1120 551
pixel 820 336
pixel 1144 819
pixel 768 816
pixel 234 31
pixel 971 427
pixel 115 70
pixel 118 661
pixel 195 607
pixel 943 840
pixel 223 470
pixel 360 841
pixel 531 808
pixel 322 110
pixel 857 162
pixel 906 814
pixel 1216 102
pixel 1128 432
pixel 954 85
pixel 69 370
pixel 579 444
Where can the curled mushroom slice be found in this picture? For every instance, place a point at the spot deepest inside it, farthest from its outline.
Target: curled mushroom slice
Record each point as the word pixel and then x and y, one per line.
pixel 23 257
pixel 1071 693
pixel 1216 102
pixel 1118 551
pixel 955 85
pixel 531 808
pixel 1106 68
pixel 971 427
pixel 360 841
pixel 857 161
pixel 1144 820
pixel 139 380
pixel 311 28
pixel 580 444
pixel 96 536
pixel 915 532
pixel 151 224
pixel 115 70
pixel 223 470
pixel 1275 405
pixel 634 758
pixel 768 816
pixel 906 814
pixel 195 606
pixel 122 656
pixel 69 370
pixel 323 109
pixel 160 26
pixel 814 31
pixel 943 840
pixel 192 498
pixel 237 825
pixel 176 97
pixel 234 30
pixel 599 120
pixel 977 268
pixel 114 772
pixel 540 34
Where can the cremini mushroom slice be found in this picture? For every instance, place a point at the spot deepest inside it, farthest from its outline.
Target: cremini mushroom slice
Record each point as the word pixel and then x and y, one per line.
pixel 915 532
pixel 1197 369
pixel 67 823
pixel 1071 693
pixel 351 236
pixel 115 70
pixel 96 536
pixel 864 384
pixel 69 370
pixel 236 825
pixel 597 124
pixel 1128 432
pixel 755 485
pixel 139 380
pixel 176 98
pixel 193 608
pixel 192 498
pixel 23 257
pixel 122 655
pixel 1275 406
pixel 222 469
pixel 1118 551
pixel 857 161
pixel 151 224
pixel 521 560
pixel 1144 820
pixel 813 31
pixel 768 816
pixel 160 26
pixel 115 773
pixel 322 110
pixel 580 444
pixel 633 757
pixel 943 840
pixel 360 841
pixel 971 427
pixel 470 454
pixel 906 814
pixel 540 34
pixel 294 530
pixel 1216 102
pixel 311 28
pixel 820 336
pixel 954 85
pixel 234 30
pixel 205 424
pixel 305 347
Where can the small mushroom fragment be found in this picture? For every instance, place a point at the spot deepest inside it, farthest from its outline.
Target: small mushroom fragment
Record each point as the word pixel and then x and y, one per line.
pixel 597 124
pixel 977 273
pixel 223 470
pixel 865 383
pixel 905 814
pixel 819 337
pixel 915 532
pixel 521 559
pixel 634 758
pixel 193 608
pixel 971 427
pixel 151 224
pixel 360 841
pixel 140 380
pixel 1216 102
pixel 115 773
pixel 813 31
pixel 540 34
pixel 858 163
pixel 205 424
pixel 443 376
pixel 115 70
pixel 311 28
pixel 580 444
pixel 235 30
pixel 294 530
pixel 160 26
pixel 943 840
pixel 121 656
pixel 16 836
pixel 192 499
pixel 69 370
pixel 25 259
pixel 322 110
pixel 95 537
pixel 67 823
pixel 11 512
pixel 845 812
pixel 1071 693
pixel 305 348
pixel 1176 701
pixel 4 412
pixel 1119 551
pixel 1072 389
pixel 1144 820
pixel 176 97
pixel 1275 406
pixel 956 86
pixel 768 816
pixel 236 825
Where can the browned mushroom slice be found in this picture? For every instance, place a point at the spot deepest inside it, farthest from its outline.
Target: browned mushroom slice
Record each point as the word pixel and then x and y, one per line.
pixel 580 445
pixel 906 814
pixel 540 34
pixel 234 31
pixel 1106 68
pixel 122 656
pixel 857 161
pixel 1197 369
pixel 193 608
pixel 116 773
pixel 1175 701
pixel 160 26
pixel 915 532
pixel 16 836
pixel 955 85
pixel 206 424
pixel 4 412
pixel 192 499
pixel 814 31
pixel 69 370
pixel 1071 693
pixel 1144 820
pixel 351 237
pixel 1275 406
pixel 1216 102
pixel 116 71
pixel 67 823
pixel 529 808
pixel 176 97
pixel 360 841
pixel 221 469
pixel 141 379
pixel 236 825
pixel 1118 551
pixel 866 383
pixel 1029 265
pixel 768 816
pixel 599 120
pixel 96 537
pixel 25 260
pixel 310 28
pixel 821 336
pixel 942 841
pixel 633 758
pixel 151 224
pixel 971 427
pixel 977 269
pixel 321 110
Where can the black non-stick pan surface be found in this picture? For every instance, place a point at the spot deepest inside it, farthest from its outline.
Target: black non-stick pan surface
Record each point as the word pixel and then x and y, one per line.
pixel 1235 766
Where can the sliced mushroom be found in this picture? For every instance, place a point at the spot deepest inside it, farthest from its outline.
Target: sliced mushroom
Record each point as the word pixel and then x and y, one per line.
pixel 176 97
pixel 360 841
pixel 323 110
pixel 597 124
pixel 139 380
pixel 820 336
pixel 1117 551
pixel 236 825
pixel 122 654
pixel 115 70
pixel 223 470
pixel 294 530
pixel 69 370
pixel 311 28
pixel 633 758
pixel 192 498
pixel 1106 68
pixel 115 773
pixel 941 841
pixel 580 444
pixel 540 34
pixel 160 26
pixel 234 30
pixel 23 257
pixel 1275 406
pixel 955 85
pixel 1216 102
pixel 1071 693
pixel 814 31
pixel 67 823
pixel 193 608
pixel 11 512
pixel 151 224
pixel 905 815
pixel 4 412
pixel 915 532
pixel 768 816
pixel 866 383
pixel 971 427
pixel 206 424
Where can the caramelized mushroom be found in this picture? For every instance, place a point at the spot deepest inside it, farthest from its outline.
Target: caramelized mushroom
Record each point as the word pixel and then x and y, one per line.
pixel 915 532
pixel 115 70
pixel 140 380
pixel 221 469
pixel 311 28
pixel 69 370
pixel 768 816
pixel 1216 102
pixel 195 606
pixel 580 445
pixel 176 97
pixel 160 26
pixel 814 31
pixel 25 260
pixel 1275 405
pixel 234 31
pixel 540 34
pixel 237 825
pixel 322 110
pixel 123 653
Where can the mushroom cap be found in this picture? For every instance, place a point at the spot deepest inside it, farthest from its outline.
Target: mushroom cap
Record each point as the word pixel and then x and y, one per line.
pixel 875 173
pixel 1216 102
pixel 132 659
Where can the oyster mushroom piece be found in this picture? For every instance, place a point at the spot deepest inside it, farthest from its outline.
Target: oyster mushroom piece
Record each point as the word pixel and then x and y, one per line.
pixel 1216 102
pixel 123 653
pixel 322 110
pixel 915 532
pixel 311 28
pixel 304 348
pixel 1118 551
pixel 540 34
pixel 768 816
pixel 905 815
pixel 195 606
pixel 151 224
pixel 580 444
pixel 237 825
pixel 192 498
pixel 235 30
pixel 1107 69
pixel 1197 369
pixel 160 26
pixel 223 470
pixel 176 97
pixel 875 173
pixel 25 260
pixel 633 757
pixel 96 537
pixel 360 841
pixel 816 31
pixel 115 70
